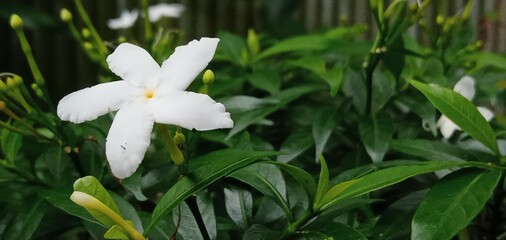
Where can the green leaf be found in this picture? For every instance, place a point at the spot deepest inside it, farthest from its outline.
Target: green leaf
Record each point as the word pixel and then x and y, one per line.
pixel 239 205
pixel 384 178
pixel 62 201
pixel 259 232
pixel 93 187
pixel 26 220
pixel 133 185
pixel 267 80
pixel 452 203
pixel 312 63
pixel 212 167
pixel 116 232
pixel 57 161
pixel 189 228
pixel 298 43
pixel 462 112
pixel 304 178
pixel 395 57
pixel 323 182
pixel 430 150
pixel 375 132
pixel 333 230
pixel 10 143
pixel 323 125
pixel 128 212
pixel 422 107
pixel 395 221
pixel 295 144
pixel 333 77
pixel 268 180
pixel 383 89
pixel 230 47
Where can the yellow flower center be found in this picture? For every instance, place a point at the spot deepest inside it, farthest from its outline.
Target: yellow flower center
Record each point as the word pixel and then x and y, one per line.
pixel 149 94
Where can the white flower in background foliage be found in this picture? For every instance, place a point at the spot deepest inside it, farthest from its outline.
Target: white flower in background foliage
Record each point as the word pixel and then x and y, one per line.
pixel 127 18
pixel 465 86
pixel 147 94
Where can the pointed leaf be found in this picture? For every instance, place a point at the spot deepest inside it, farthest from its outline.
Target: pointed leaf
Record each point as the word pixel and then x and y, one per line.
pixel 333 77
pixel 323 125
pixel 430 150
pixel 116 232
pixel 323 182
pixel 304 178
pixel 133 184
pixel 295 144
pixel 452 203
pixel 10 143
pixel 333 230
pixel 239 205
pixel 26 220
pixel 212 167
pixel 375 133
pixel 462 112
pixel 297 43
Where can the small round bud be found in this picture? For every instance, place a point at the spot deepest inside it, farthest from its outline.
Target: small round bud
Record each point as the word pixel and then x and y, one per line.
pixel 67 149
pixel 208 77
pixel 2 105
pixel 413 7
pixel 87 45
pixel 11 83
pixel 179 138
pixel 86 32
pixel 65 15
pixel 122 39
pixel 440 19
pixel 16 21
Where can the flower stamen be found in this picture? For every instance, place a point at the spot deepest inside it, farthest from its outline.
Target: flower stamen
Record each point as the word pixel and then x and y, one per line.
pixel 149 94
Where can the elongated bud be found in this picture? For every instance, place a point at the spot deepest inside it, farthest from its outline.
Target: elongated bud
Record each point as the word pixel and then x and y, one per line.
pixel 16 21
pixel 12 82
pixel 253 42
pixel 65 15
pixel 208 77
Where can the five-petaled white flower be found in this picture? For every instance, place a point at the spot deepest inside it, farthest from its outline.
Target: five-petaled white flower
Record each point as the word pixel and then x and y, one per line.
pixel 157 11
pixel 147 94
pixel 465 86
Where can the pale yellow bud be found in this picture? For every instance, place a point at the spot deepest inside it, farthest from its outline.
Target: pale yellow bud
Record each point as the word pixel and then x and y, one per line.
pixel 16 21
pixel 65 15
pixel 208 77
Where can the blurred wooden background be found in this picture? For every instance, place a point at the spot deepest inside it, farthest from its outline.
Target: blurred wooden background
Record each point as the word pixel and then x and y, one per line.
pixel 66 68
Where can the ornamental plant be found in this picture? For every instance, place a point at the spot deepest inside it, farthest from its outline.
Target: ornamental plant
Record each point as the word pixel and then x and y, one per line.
pixel 314 136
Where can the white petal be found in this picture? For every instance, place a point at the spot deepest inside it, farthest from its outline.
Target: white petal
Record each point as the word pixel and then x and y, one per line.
pixel 186 63
pixel 126 20
pixel 173 10
pixel 486 113
pixel 135 65
pixel 446 126
pixel 128 139
pixel 89 103
pixel 465 86
pixel 190 110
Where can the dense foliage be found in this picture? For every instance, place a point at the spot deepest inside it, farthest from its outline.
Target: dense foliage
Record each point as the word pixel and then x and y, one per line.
pixel 334 137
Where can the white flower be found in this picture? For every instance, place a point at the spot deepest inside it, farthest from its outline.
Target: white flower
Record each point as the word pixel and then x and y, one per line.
pixel 126 20
pixel 173 10
pixel 465 86
pixel 147 94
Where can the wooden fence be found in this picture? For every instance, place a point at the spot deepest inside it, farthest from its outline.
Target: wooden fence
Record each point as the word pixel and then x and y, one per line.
pixel 66 68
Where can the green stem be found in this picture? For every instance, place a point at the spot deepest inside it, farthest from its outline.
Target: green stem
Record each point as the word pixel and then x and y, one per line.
pixel 148 31
pixel 102 49
pixel 370 64
pixel 293 227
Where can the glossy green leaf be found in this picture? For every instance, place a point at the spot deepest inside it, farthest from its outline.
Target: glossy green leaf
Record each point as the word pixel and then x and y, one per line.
pixel 260 232
pixel 452 203
pixel 333 230
pixel 298 43
pixel 189 228
pixel 395 220
pixel 10 143
pixel 213 166
pixel 323 182
pixel 375 133
pixel 395 56
pixel 268 180
pixel 116 232
pixel 383 85
pixel 323 125
pixel 62 201
pixel 230 47
pixel 267 80
pixel 26 220
pixel 430 150
pixel 304 178
pixel 128 212
pixel 239 205
pixel 312 63
pixel 384 178
pixel 133 185
pixel 422 107
pixel 462 112
pixel 93 187
pixel 334 78
pixel 57 161
pixel 295 144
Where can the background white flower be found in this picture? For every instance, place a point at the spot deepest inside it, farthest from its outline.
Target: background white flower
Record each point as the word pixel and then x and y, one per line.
pixel 147 94
pixel 127 18
pixel 465 86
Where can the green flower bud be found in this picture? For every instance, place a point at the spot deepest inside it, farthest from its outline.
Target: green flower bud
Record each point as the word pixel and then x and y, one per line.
pixel 88 46
pixel 86 33
pixel 253 42
pixel 16 21
pixel 65 15
pixel 208 77
pixel 122 39
pixel 440 19
pixel 179 138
